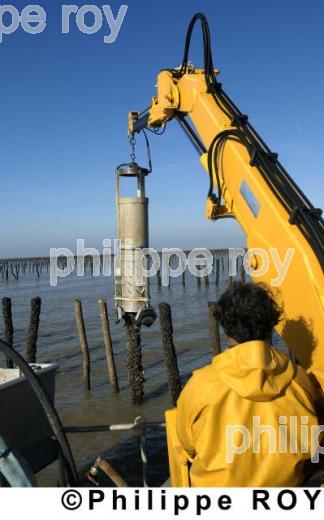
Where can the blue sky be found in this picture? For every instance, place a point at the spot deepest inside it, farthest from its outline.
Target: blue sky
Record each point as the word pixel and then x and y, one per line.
pixel 65 100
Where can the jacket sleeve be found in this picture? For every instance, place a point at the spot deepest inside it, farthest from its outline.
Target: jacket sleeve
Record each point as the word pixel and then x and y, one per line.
pixel 187 411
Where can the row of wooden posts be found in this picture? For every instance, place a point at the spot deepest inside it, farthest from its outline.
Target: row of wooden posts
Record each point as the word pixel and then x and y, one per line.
pixel 13 268
pixel 134 355
pixel 32 334
pixel 134 363
pixel 206 278
pixel 103 312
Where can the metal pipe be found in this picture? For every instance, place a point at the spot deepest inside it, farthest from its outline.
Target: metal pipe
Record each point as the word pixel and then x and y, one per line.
pixel 115 427
pixel 190 133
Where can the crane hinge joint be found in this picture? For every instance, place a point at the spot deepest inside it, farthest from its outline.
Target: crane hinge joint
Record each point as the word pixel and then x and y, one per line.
pixel 214 210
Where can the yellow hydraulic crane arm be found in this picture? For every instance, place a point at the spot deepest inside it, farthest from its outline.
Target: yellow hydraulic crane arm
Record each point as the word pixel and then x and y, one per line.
pixel 285 233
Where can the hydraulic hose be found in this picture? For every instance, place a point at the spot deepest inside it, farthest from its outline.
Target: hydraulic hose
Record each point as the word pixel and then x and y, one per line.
pixel 300 210
pixel 48 408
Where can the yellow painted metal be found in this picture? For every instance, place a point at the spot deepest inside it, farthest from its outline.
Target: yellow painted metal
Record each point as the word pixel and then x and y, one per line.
pixel 301 292
pixel 166 102
pixel 178 459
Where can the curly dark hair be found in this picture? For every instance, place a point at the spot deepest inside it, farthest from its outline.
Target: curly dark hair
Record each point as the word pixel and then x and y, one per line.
pixel 248 312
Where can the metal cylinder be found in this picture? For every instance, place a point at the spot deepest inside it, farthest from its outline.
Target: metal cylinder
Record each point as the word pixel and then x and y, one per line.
pixel 133 234
pixel 132 288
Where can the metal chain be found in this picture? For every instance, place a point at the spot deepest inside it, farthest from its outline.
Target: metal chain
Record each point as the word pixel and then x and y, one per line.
pixel 132 142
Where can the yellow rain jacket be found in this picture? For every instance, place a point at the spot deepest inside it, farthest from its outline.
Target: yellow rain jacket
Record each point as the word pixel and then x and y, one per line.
pixel 250 380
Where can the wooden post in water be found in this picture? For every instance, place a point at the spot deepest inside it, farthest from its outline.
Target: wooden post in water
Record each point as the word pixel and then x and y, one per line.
pixel 217 272
pixel 170 355
pixel 112 373
pixel 83 343
pixel 242 273
pixel 134 360
pixel 33 329
pixel 8 326
pixel 214 329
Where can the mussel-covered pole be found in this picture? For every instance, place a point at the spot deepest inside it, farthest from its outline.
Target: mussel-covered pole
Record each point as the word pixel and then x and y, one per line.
pixel 170 355
pixel 8 326
pixel 134 359
pixel 83 343
pixel 214 329
pixel 33 329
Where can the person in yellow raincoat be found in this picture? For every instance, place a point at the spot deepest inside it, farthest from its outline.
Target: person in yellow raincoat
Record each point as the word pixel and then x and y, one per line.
pixel 246 419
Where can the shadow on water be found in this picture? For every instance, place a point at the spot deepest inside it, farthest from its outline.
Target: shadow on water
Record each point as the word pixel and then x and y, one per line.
pixel 157 392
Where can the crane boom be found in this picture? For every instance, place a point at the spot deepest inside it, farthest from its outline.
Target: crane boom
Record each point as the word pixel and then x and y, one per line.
pixel 254 188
